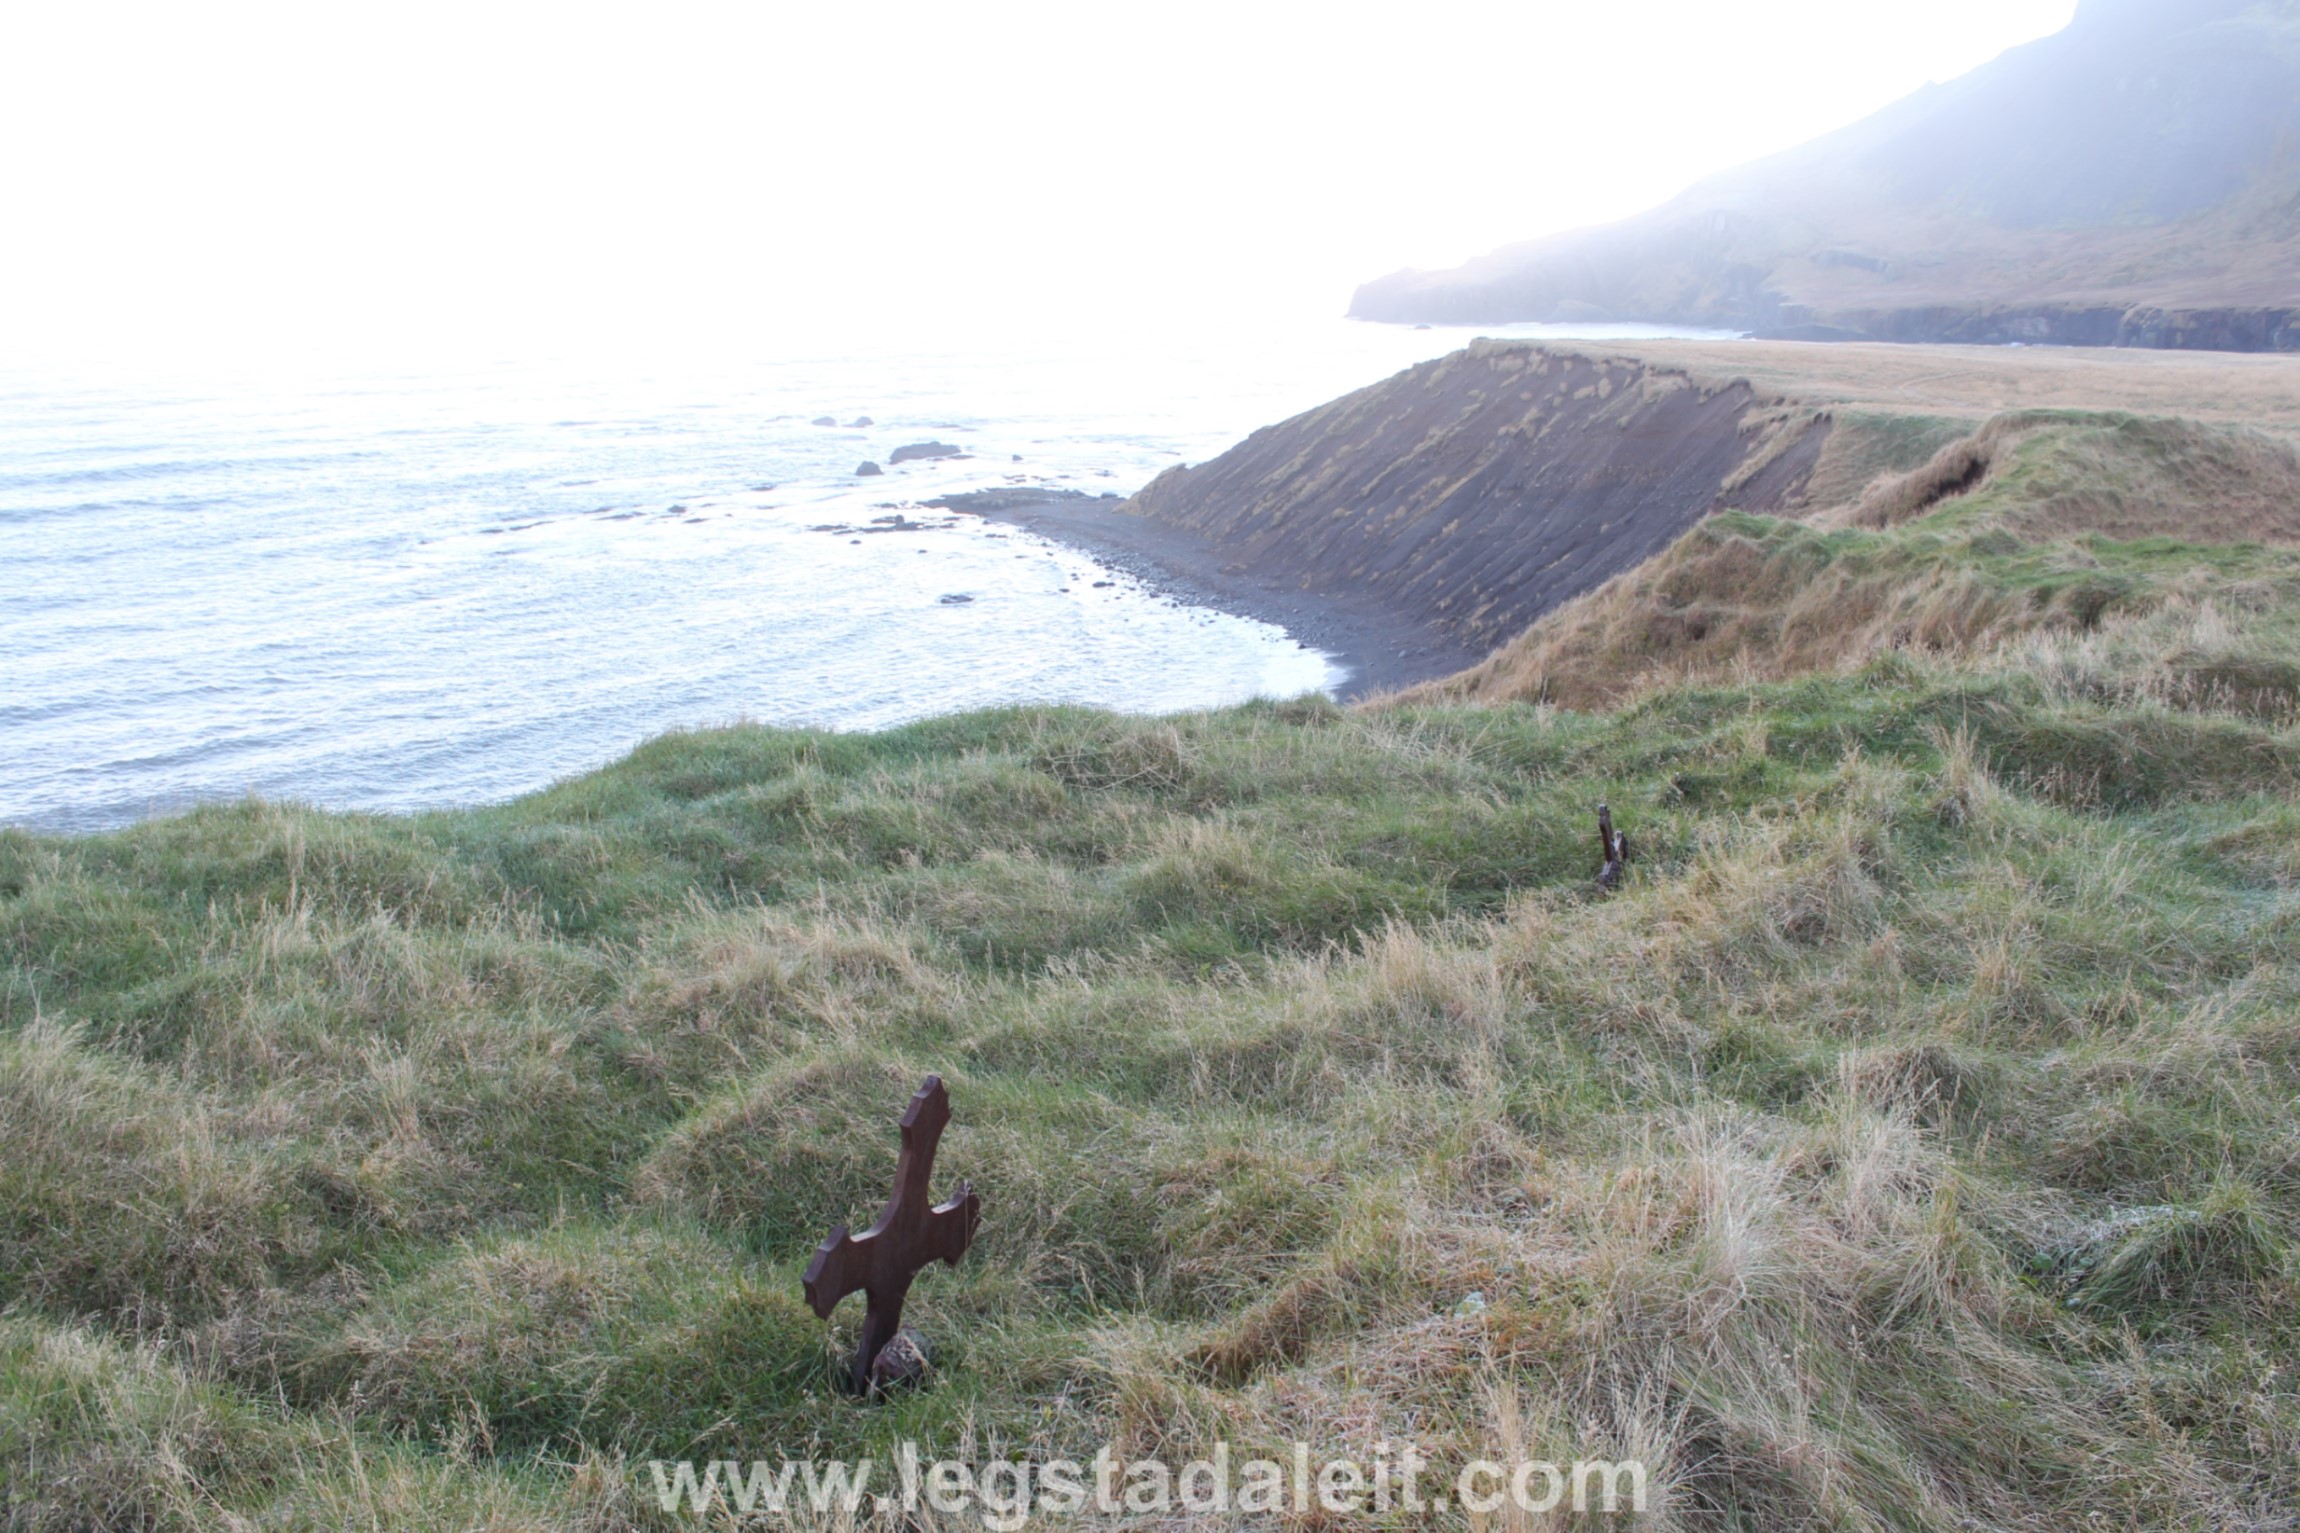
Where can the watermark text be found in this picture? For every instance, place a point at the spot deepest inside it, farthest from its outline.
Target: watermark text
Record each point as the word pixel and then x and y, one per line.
pixel 1007 1494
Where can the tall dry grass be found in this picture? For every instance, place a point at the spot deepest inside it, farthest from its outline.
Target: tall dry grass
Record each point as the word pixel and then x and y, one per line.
pixel 1906 1143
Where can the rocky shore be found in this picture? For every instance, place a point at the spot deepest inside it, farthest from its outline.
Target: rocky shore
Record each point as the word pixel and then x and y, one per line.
pixel 1412 527
pixel 1382 648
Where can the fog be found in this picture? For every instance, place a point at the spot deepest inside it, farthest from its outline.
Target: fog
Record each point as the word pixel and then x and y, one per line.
pixel 219 180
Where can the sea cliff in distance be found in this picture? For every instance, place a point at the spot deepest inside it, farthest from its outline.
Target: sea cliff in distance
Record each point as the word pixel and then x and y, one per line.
pixel 2129 181
pixel 1562 501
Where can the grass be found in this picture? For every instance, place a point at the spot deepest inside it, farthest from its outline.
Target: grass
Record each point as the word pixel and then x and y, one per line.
pixel 1972 383
pixel 2145 556
pixel 1908 1144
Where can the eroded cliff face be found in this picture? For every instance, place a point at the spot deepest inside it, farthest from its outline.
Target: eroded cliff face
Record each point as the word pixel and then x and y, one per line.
pixel 2046 538
pixel 1482 489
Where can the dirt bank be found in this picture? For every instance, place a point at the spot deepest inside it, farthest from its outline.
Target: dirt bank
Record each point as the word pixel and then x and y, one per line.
pixel 1473 493
pixel 1415 525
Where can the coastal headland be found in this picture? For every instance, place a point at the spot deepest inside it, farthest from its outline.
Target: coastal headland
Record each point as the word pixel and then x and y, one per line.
pixel 1414 527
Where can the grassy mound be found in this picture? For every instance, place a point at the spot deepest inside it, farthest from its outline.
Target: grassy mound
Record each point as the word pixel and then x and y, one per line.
pixel 2162 554
pixel 1907 1143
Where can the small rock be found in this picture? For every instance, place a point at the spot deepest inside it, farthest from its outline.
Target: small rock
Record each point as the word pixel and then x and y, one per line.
pixel 825 420
pixel 1099 584
pixel 868 469
pixel 956 599
pixel 859 422
pixel 906 1360
pixel 1472 1303
pixel 913 450
pixel 1018 457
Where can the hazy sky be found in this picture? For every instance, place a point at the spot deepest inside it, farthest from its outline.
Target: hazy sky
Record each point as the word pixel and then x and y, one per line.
pixel 510 176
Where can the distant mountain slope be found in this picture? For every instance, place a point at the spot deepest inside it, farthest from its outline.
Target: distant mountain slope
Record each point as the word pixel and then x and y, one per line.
pixel 2133 179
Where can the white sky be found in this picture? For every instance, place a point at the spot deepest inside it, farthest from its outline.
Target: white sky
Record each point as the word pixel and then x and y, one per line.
pixel 508 176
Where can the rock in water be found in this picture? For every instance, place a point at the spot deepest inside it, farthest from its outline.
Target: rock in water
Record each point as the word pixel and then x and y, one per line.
pixel 867 469
pixel 825 420
pixel 859 422
pixel 925 450
pixel 955 599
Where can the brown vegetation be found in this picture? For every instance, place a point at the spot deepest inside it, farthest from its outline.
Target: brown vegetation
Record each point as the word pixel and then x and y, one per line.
pixel 1911 534
pixel 1971 383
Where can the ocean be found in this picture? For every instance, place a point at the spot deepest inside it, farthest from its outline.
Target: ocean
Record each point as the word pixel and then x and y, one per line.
pixel 406 589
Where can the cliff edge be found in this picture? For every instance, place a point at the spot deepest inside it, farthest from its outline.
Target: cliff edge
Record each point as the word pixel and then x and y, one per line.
pixel 1479 490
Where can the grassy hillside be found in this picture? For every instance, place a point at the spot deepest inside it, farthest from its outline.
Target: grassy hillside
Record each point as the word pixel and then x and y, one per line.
pixel 1908 1144
pixel 1971 383
pixel 2128 181
pixel 2119 554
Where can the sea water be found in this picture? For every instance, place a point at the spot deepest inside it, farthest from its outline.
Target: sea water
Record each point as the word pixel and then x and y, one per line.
pixel 406 588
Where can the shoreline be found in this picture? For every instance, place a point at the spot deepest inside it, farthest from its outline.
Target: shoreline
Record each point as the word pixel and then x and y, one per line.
pixel 1381 648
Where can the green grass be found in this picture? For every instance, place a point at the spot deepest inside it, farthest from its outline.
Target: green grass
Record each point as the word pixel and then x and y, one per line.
pixel 1909 1144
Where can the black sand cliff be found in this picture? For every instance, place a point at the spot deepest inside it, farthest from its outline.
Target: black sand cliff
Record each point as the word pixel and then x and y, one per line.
pixel 1416 524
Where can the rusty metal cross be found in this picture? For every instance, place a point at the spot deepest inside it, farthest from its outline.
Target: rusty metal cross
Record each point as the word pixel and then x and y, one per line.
pixel 1614 846
pixel 883 1259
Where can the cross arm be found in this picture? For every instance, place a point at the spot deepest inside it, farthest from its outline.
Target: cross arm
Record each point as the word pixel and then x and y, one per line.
pixel 841 1266
pixel 950 1226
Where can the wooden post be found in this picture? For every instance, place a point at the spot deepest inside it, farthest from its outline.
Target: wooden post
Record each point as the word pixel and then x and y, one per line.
pixel 1613 850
